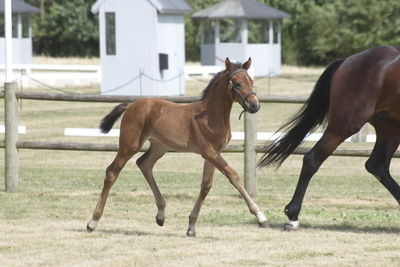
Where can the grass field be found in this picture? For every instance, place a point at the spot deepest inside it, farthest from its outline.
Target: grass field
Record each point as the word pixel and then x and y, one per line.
pixel 347 219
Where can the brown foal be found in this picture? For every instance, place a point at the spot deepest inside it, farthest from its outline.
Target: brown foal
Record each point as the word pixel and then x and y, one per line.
pixel 201 127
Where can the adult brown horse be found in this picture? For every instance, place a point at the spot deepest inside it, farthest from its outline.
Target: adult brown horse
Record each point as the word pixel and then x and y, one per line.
pixel 201 127
pixel 364 87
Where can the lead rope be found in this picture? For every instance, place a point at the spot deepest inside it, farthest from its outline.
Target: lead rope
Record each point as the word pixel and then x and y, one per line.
pixel 241 113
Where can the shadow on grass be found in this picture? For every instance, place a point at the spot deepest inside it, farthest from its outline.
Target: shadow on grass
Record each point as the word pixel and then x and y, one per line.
pixel 354 229
pixel 134 233
pixel 112 232
pixel 342 228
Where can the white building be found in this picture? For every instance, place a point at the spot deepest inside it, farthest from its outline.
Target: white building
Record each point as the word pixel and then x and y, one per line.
pixel 21 32
pixel 225 32
pixel 142 46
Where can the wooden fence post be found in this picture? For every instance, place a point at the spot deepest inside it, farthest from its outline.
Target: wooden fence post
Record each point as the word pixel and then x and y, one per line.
pixel 250 155
pixel 11 137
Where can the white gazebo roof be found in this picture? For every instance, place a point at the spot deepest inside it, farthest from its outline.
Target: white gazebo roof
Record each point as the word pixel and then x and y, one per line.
pixel 249 9
pixel 162 6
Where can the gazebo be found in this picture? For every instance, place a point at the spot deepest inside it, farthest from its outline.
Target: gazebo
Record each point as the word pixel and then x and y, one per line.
pixel 239 29
pixel 21 32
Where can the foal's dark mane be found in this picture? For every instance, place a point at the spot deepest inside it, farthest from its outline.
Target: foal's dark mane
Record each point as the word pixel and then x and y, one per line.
pixel 236 66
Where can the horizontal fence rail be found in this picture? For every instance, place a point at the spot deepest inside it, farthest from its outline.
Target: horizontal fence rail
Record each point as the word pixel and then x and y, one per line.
pixel 229 148
pixel 121 98
pixel 93 146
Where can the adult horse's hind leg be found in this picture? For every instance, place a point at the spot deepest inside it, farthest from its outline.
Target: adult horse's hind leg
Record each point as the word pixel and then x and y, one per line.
pixel 387 141
pixel 208 172
pixel 146 163
pixel 311 162
pixel 112 173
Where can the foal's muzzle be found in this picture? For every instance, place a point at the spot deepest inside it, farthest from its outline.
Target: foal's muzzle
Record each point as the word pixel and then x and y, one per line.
pixel 251 105
pixel 248 101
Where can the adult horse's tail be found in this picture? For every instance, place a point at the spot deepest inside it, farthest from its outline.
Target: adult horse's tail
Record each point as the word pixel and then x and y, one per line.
pixel 108 121
pixel 310 116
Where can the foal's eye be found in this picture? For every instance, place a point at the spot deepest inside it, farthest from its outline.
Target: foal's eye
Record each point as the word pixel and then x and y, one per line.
pixel 236 84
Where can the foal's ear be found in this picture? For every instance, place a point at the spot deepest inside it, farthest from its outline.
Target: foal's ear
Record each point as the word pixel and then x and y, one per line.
pixel 228 64
pixel 247 64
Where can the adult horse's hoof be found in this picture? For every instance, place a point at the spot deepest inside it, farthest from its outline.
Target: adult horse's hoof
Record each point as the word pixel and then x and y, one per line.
pixel 160 222
pixel 263 224
pixel 291 226
pixel 191 233
pixel 91 225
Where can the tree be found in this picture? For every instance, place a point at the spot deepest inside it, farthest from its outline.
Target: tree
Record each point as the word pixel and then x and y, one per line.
pixel 67 28
pixel 42 4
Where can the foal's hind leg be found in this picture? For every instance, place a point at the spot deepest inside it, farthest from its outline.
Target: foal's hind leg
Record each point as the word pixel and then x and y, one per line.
pixel 112 173
pixel 387 141
pixel 216 159
pixel 146 163
pixel 208 172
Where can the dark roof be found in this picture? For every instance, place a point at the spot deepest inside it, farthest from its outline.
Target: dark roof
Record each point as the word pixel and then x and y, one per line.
pixel 173 6
pixel 20 7
pixel 249 9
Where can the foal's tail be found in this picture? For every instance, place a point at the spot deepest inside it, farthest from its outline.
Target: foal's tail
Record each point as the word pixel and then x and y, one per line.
pixel 308 118
pixel 108 121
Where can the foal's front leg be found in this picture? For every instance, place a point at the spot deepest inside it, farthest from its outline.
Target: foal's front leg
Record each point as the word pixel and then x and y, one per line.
pixel 216 159
pixel 208 172
pixel 112 173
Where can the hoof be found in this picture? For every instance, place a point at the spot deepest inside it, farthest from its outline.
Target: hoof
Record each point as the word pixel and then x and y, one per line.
pixel 91 225
pixel 190 233
pixel 263 224
pixel 160 222
pixel 290 227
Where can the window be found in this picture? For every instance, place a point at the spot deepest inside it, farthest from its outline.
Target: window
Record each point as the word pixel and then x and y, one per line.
pixel 25 21
pixel 277 29
pixel 110 33
pixel 15 26
pixel 2 34
pixel 229 31
pixel 209 31
pixel 258 31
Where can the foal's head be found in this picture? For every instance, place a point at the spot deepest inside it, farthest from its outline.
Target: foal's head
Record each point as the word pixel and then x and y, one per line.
pixel 240 85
